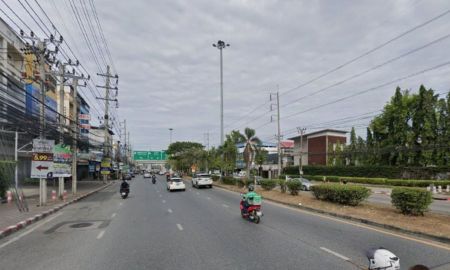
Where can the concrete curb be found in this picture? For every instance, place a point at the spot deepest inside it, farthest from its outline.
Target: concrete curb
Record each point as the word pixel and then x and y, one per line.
pixel 24 223
pixel 441 199
pixel 441 239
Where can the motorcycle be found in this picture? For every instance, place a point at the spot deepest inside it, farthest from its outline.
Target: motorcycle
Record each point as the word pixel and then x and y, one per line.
pixel 154 180
pixel 124 192
pixel 253 212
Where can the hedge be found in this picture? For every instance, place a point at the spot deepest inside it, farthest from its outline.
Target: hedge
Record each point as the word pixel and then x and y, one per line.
pixel 372 171
pixel 411 201
pixel 282 184
pixel 378 181
pixel 294 186
pixel 215 177
pixel 227 180
pixel 343 194
pixel 268 184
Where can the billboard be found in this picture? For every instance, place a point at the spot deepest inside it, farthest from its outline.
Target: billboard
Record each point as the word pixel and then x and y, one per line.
pixel 149 155
pixel 33 105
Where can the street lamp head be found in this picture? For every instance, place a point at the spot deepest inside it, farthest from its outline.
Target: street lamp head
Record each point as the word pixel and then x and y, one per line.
pixel 228 45
pixel 214 45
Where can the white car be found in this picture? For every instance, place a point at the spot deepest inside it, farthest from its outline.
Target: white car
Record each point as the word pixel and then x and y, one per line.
pixel 147 175
pixel 175 183
pixel 202 180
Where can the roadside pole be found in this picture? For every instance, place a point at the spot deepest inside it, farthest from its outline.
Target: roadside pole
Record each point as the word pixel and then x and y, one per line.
pixel 301 131
pixel 61 124
pixel 42 181
pixel 16 160
pixel 106 143
pixel 277 104
pixel 74 136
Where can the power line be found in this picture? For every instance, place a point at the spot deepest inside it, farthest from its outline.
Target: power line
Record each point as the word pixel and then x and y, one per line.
pixel 380 46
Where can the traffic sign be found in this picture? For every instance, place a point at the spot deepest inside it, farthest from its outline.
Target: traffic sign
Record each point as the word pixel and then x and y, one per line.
pixel 149 155
pixel 43 146
pixel 40 169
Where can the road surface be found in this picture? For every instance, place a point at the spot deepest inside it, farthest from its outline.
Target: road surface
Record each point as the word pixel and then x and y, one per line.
pixel 199 229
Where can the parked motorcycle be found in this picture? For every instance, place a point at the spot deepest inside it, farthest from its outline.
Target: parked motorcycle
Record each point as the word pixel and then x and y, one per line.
pixel 253 212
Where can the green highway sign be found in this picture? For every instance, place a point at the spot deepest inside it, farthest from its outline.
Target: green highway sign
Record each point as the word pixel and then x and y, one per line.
pixel 149 155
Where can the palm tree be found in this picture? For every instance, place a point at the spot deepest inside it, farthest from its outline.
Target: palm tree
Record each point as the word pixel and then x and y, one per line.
pixel 251 143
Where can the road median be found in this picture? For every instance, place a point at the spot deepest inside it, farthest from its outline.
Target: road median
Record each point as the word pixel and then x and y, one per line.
pixel 431 226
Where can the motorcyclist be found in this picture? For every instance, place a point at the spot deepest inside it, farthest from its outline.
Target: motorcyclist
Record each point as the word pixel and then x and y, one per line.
pixel 382 259
pixel 248 197
pixel 124 185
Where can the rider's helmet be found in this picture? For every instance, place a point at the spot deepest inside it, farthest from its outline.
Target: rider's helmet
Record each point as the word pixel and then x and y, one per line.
pixel 251 188
pixel 382 259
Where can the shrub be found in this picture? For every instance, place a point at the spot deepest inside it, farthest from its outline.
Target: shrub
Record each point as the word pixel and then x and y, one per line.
pixel 215 177
pixel 411 201
pixel 282 184
pixel 268 184
pixel 294 186
pixel 343 194
pixel 241 182
pixel 227 180
pixel 380 181
pixel 6 175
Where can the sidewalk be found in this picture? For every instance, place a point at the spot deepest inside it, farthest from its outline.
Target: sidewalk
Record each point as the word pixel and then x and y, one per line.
pixel 10 215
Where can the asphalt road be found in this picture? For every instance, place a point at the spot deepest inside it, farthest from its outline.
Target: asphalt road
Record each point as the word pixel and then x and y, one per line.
pixel 199 229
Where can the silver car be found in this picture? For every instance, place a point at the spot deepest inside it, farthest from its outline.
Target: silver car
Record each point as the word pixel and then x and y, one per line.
pixel 306 184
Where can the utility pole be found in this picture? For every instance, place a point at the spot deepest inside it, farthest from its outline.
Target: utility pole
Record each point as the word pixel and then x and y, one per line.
pixel 44 56
pixel 75 78
pixel 62 74
pixel 277 100
pixel 207 150
pixel 107 86
pixel 221 45
pixel 301 131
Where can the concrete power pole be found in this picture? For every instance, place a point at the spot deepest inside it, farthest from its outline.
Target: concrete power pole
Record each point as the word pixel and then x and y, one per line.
pixel 278 127
pixel 301 131
pixel 107 86
pixel 44 57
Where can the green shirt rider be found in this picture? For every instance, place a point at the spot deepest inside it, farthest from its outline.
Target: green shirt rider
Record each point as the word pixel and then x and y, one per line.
pixel 248 197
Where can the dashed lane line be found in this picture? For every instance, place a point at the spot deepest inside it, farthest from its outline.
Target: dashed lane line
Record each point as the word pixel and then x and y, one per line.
pixel 100 235
pixel 180 227
pixel 113 215
pixel 224 205
pixel 335 253
pixel 163 201
pixel 169 210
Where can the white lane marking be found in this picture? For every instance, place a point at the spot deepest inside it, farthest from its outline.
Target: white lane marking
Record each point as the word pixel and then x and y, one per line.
pixel 335 253
pixel 209 198
pixel 163 201
pixel 113 215
pixel 12 240
pixel 169 210
pixel 120 204
pixel 197 193
pixel 179 227
pixel 160 195
pixel 224 205
pixel 100 235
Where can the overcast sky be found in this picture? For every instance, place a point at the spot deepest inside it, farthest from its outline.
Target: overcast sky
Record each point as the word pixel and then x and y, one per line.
pixel 169 71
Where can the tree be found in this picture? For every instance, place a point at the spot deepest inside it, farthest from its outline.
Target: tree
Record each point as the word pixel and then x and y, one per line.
pixel 251 142
pixel 182 155
pixel 260 157
pixel 352 147
pixel 228 152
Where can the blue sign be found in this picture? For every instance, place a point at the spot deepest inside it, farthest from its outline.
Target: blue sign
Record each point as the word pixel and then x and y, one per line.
pixel 33 105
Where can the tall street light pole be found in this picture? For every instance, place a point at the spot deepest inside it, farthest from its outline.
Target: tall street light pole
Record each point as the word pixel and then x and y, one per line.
pixel 170 141
pixel 221 45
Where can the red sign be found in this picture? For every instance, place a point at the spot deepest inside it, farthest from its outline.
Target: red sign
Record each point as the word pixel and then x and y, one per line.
pixel 84 117
pixel 85 126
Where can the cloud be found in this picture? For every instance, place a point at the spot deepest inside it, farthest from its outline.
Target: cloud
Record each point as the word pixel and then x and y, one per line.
pixel 169 72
